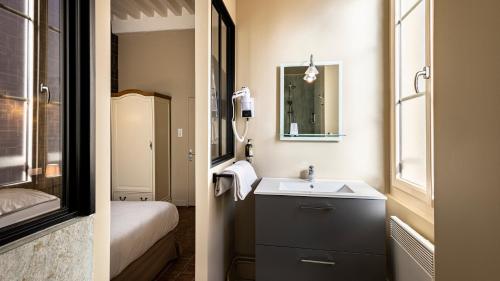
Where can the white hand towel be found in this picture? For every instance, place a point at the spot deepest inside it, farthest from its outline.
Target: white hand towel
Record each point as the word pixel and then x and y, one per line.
pixel 243 178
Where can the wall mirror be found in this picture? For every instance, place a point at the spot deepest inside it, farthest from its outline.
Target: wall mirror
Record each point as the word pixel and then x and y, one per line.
pixel 310 109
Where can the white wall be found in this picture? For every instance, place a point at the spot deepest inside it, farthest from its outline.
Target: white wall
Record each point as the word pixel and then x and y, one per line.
pixel 163 61
pixel 214 216
pixel 103 139
pixel 467 139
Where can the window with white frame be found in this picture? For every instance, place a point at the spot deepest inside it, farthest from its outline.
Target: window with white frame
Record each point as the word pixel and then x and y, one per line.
pixel 412 98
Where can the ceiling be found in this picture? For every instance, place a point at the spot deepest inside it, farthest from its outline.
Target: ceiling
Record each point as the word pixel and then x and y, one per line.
pixel 137 9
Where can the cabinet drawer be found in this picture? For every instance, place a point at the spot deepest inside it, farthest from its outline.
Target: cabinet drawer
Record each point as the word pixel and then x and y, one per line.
pixel 132 196
pixel 292 264
pixel 350 225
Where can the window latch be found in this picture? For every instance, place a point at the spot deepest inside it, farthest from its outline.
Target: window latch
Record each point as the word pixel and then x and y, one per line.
pixel 425 73
pixel 45 89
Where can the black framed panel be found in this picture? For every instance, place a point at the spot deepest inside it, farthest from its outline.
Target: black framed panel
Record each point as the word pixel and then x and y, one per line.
pixel 224 105
pixel 78 135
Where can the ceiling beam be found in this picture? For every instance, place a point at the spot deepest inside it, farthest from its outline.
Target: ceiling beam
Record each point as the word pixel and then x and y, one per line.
pixel 147 24
pixel 129 7
pixel 160 9
pixel 118 11
pixel 146 7
pixel 173 6
pixel 188 5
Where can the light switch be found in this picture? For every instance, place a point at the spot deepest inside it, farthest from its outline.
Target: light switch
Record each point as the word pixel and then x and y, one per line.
pixel 179 133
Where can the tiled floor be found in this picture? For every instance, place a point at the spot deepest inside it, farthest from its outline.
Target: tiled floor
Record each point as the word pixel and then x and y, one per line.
pixel 183 268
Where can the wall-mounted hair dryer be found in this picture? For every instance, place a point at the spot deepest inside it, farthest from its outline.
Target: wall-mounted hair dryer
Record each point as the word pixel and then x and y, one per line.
pixel 247 110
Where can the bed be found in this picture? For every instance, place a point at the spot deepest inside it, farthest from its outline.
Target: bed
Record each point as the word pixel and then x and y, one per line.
pixel 142 238
pixel 19 204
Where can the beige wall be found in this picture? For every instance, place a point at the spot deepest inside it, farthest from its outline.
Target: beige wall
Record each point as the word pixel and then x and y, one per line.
pixel 103 139
pixel 214 216
pixel 163 61
pixel 271 32
pixel 467 139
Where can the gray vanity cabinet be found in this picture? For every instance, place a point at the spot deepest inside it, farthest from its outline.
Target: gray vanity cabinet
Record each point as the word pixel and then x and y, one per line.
pixel 315 239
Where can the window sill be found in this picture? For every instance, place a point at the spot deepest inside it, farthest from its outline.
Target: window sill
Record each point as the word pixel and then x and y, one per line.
pixel 426 213
pixel 37 235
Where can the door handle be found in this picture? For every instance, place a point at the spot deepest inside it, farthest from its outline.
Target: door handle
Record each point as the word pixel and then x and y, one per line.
pixel 190 155
pixel 425 73
pixel 151 145
pixel 45 89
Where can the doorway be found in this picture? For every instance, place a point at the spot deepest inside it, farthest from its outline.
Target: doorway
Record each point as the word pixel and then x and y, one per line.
pixel 145 59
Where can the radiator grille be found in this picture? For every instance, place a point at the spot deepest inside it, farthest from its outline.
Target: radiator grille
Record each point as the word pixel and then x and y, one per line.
pixel 420 249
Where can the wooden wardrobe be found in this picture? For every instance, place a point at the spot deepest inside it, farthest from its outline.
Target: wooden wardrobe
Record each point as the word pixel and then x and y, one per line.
pixel 140 146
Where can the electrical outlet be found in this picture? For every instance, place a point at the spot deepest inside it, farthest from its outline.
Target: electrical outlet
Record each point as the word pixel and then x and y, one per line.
pixel 179 133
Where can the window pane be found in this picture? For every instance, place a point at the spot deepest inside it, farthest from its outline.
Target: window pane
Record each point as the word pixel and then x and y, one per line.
pixel 18 5
pixel 54 13
pixel 13 54
pixel 223 87
pixel 12 141
pixel 53 109
pixel 407 4
pixel 412 52
pixel 31 126
pixel 14 85
pixel 413 141
pixel 215 90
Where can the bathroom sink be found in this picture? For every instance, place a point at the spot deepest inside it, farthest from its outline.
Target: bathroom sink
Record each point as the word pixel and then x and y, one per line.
pixel 315 186
pixel 353 189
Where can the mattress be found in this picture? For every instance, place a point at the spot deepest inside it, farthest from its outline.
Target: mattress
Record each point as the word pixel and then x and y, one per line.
pixel 135 227
pixel 19 204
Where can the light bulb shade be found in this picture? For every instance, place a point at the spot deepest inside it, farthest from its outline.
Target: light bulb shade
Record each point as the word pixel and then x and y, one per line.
pixel 309 78
pixel 52 170
pixel 312 70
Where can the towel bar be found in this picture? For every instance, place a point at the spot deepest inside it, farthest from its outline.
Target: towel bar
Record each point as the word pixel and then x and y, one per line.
pixel 215 176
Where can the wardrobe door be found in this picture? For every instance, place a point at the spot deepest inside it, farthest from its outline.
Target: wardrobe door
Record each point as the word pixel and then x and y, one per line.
pixel 132 143
pixel 162 149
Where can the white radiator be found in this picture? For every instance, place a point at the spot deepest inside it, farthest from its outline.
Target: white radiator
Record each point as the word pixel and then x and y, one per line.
pixel 412 255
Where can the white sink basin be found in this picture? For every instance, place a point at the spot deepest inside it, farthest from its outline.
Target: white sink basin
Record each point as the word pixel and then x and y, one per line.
pixel 315 186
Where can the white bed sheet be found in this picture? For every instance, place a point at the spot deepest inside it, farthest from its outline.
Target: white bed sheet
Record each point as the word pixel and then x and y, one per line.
pixel 19 204
pixel 135 227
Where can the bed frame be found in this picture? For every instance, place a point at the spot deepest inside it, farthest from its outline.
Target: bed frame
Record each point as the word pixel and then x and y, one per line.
pixel 153 261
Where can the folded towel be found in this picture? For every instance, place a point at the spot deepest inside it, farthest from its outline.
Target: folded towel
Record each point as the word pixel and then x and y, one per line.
pixel 243 178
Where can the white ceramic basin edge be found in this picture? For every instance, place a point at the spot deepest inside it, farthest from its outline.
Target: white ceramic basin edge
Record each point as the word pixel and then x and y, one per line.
pixel 318 188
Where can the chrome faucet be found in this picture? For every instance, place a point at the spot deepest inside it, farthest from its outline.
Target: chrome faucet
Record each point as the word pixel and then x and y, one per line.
pixel 310 173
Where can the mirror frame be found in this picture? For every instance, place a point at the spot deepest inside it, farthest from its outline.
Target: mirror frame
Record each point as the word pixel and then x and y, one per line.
pixel 325 138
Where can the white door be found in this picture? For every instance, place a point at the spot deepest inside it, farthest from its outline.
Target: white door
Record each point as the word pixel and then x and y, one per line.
pixel 191 152
pixel 132 143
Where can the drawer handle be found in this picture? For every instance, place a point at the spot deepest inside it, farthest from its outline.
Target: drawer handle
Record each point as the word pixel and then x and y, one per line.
pixel 123 198
pixel 144 199
pixel 317 262
pixel 319 208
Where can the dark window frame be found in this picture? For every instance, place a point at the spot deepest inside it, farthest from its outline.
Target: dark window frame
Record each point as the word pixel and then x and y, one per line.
pixel 225 17
pixel 79 124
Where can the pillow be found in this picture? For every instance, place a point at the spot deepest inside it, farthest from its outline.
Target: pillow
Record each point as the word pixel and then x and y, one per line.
pixel 17 199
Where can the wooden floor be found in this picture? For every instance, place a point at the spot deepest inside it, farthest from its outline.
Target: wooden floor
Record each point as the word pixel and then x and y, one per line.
pixel 183 268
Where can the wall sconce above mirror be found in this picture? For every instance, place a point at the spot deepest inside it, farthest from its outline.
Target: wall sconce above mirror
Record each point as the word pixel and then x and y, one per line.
pixel 310 101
